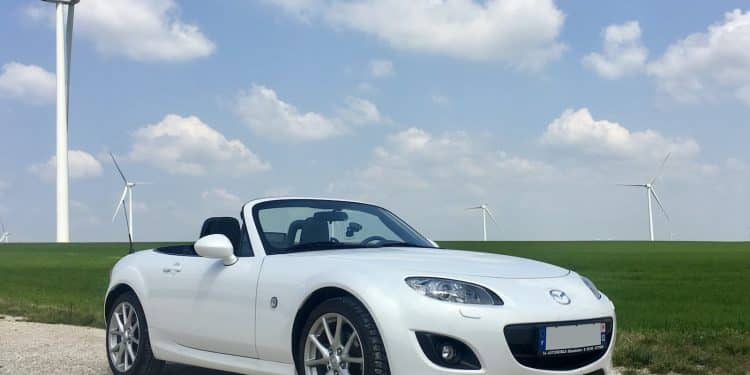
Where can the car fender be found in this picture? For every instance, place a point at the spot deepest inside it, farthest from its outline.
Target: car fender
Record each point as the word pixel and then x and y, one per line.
pixel 294 286
pixel 128 272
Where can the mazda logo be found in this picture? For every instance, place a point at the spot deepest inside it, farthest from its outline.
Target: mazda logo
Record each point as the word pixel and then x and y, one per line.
pixel 559 296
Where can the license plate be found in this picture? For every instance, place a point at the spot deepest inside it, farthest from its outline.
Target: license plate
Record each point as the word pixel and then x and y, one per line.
pixel 570 339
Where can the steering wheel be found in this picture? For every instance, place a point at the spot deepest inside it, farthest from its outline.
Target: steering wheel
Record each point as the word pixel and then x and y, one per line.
pixel 373 238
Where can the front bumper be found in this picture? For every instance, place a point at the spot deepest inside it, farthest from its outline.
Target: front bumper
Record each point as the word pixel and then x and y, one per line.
pixel 482 328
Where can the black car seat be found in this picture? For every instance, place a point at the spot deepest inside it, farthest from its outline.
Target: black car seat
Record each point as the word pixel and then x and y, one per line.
pixel 227 226
pixel 314 230
pixel 310 230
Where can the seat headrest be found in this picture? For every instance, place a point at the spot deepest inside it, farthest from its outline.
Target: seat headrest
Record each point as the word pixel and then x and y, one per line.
pixel 227 226
pixel 291 235
pixel 314 230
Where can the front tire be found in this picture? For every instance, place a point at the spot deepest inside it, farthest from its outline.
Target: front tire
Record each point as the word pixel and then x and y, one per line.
pixel 340 338
pixel 128 345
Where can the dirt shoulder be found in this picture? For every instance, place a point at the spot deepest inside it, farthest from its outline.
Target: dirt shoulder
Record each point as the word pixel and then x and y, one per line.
pixel 50 349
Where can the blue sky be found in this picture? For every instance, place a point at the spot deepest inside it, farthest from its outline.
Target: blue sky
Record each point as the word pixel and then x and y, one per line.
pixel 537 108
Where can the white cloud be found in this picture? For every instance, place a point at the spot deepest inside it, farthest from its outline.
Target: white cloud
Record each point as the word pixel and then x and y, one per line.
pixel 81 165
pixel 519 32
pixel 577 130
pixel 269 116
pixel 187 146
pixel 416 159
pixel 142 30
pixel 623 52
pixel 27 82
pixel 703 65
pixel 357 111
pixel 381 68
pixel 220 194
pixel 266 114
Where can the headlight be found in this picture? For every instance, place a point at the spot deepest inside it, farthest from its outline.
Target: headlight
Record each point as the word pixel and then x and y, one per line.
pixel 592 287
pixel 453 291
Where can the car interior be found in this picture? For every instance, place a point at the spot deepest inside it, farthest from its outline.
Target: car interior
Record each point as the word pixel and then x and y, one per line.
pixel 228 226
pixel 313 229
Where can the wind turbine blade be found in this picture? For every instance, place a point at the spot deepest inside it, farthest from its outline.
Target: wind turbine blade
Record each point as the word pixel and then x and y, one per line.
pixel 143 183
pixel 118 168
pixel 491 216
pixel 632 185
pixel 656 196
pixel 119 205
pixel 661 169
pixel 475 208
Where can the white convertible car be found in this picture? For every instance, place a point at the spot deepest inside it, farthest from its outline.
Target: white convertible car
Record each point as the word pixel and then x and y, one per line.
pixel 328 287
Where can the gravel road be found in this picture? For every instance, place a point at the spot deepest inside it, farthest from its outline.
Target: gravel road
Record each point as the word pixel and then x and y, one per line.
pixel 34 348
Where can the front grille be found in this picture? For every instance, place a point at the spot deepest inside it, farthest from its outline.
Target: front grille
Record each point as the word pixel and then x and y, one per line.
pixel 523 341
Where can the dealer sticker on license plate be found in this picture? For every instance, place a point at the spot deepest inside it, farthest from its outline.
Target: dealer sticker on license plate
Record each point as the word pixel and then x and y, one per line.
pixel 570 339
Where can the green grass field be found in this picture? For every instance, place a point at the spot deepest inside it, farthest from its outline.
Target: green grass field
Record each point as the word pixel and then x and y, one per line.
pixel 682 307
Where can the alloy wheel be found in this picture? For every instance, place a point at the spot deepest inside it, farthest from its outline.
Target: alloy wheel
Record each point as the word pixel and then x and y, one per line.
pixel 333 347
pixel 124 336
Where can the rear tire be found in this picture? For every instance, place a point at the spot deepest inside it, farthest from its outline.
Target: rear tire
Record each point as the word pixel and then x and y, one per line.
pixel 127 340
pixel 364 356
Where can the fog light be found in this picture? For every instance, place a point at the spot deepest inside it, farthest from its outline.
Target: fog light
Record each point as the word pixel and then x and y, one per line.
pixel 448 353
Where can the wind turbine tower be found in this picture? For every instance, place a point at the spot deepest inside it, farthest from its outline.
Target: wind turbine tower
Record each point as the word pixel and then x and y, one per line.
pixel 64 41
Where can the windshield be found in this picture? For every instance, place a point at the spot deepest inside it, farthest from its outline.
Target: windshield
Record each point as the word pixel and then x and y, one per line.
pixel 295 225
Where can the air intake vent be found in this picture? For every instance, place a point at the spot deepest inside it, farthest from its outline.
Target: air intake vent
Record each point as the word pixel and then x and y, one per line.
pixel 523 340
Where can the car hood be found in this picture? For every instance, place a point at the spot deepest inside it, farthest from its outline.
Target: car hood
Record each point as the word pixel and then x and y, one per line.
pixel 427 262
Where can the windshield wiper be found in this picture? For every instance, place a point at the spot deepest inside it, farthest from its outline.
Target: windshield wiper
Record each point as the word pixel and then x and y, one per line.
pixel 323 245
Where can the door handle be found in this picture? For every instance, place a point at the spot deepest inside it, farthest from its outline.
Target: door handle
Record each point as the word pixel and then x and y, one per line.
pixel 177 267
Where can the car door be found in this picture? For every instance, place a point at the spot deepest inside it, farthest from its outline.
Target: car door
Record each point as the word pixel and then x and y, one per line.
pixel 211 306
pixel 158 273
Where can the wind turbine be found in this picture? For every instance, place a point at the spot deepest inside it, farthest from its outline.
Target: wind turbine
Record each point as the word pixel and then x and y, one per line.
pixel 4 235
pixel 485 211
pixel 63 45
pixel 651 192
pixel 127 207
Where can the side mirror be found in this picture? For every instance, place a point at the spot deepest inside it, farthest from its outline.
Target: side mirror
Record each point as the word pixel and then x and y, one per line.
pixel 216 246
